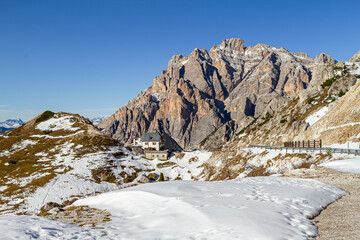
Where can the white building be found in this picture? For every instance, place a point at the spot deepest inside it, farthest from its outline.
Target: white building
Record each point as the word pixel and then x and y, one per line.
pixel 149 141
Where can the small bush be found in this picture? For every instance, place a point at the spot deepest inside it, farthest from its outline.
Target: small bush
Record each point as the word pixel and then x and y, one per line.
pixel 47 131
pixel 45 116
pixel 161 178
pixel 341 93
pixel 283 120
pixel 329 153
pixel 12 162
pixel 165 164
pixel 329 82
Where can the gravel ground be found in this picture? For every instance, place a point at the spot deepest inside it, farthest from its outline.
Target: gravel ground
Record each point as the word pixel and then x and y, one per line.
pixel 341 219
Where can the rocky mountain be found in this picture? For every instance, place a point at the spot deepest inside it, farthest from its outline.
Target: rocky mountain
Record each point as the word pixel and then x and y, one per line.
pixel 326 110
pixel 218 91
pixel 341 121
pixel 10 124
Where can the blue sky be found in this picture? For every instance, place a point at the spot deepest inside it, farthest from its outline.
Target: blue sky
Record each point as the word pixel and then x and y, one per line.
pixel 92 57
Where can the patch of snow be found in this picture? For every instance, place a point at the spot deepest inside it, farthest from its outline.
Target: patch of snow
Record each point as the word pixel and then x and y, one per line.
pixel 41 154
pixel 338 72
pixel 23 144
pixel 242 135
pixel 3 188
pixel 157 97
pixel 252 208
pixel 22 182
pixel 74 177
pixel 313 118
pixel 47 136
pixel 61 123
pixel 184 62
pixel 347 165
pixel 352 145
pixel 344 125
pixel 62 188
pixel 18 147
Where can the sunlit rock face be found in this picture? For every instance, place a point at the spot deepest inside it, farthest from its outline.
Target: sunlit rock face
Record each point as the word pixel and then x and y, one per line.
pixel 227 86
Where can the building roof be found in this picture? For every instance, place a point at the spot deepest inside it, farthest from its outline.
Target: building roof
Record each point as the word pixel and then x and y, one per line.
pixel 151 137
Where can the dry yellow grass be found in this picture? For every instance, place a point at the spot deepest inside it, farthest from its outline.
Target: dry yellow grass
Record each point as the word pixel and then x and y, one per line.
pixel 23 163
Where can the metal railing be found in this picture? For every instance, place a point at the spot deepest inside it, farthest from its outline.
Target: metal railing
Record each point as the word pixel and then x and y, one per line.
pixel 310 149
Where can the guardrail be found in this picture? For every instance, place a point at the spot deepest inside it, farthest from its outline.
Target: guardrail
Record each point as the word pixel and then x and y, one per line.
pixel 333 150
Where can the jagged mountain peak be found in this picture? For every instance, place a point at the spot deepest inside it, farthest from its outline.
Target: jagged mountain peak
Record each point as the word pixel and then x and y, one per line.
pixel 324 58
pixel 235 44
pixel 199 93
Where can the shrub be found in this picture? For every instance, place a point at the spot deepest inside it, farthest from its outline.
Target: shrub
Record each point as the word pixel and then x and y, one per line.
pixel 329 153
pixel 283 120
pixel 165 164
pixel 341 93
pixel 47 131
pixel 161 178
pixel 329 81
pixel 12 162
pixel 45 116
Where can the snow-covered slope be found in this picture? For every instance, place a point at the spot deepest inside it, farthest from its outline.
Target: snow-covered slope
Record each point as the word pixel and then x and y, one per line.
pixel 252 208
pixel 59 157
pixel 52 158
pixel 345 165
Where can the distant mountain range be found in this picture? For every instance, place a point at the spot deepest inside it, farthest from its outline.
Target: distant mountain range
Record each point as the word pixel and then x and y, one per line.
pixel 98 120
pixel 10 124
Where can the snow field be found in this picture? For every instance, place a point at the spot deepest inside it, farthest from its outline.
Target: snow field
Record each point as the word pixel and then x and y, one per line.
pixel 346 165
pixel 252 208
pixel 54 124
pixel 313 118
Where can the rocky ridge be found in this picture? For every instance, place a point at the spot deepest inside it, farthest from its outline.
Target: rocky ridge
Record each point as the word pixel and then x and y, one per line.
pixel 334 90
pixel 217 93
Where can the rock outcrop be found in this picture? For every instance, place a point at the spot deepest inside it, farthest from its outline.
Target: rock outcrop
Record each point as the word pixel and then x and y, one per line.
pixel 356 57
pixel 227 87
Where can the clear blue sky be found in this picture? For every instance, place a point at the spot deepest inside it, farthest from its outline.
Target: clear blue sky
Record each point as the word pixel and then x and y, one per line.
pixel 92 57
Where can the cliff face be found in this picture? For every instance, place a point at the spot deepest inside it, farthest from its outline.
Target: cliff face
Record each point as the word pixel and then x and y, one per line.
pixel 328 109
pixel 226 87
